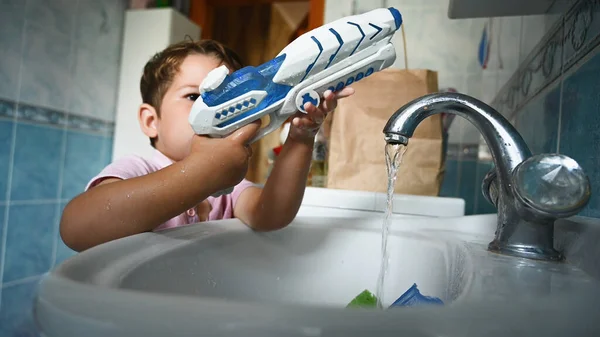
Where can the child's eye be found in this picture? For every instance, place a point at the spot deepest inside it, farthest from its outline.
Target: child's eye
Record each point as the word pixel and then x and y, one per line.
pixel 192 97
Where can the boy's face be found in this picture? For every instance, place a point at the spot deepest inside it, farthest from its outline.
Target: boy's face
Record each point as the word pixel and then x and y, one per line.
pixel 174 131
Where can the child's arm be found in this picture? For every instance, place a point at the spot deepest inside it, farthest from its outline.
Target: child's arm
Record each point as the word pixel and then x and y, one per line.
pixel 277 204
pixel 118 208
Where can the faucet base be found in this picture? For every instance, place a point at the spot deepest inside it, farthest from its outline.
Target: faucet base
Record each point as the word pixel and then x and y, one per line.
pixel 529 252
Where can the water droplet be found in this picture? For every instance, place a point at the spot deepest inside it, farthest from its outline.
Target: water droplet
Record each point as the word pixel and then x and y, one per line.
pixel 278 278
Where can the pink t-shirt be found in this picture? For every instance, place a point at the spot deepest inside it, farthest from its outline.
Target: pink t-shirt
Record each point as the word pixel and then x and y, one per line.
pixel 135 166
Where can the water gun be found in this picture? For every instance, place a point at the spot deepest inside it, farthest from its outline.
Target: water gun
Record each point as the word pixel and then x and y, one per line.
pixel 332 57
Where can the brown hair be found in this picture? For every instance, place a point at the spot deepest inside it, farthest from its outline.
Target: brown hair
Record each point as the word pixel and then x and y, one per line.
pixel 163 66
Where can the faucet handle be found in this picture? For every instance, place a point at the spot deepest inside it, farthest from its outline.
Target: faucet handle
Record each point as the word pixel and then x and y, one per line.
pixel 551 185
pixel 489 188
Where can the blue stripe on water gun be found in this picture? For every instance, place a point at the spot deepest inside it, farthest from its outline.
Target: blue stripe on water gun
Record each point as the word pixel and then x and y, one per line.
pixel 379 29
pixel 310 66
pixel 361 33
pixel 397 16
pixel 340 40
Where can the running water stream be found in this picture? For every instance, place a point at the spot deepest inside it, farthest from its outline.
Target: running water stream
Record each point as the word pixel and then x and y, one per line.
pixel 393 158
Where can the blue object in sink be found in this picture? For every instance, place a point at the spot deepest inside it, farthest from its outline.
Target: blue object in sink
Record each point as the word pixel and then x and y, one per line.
pixel 414 297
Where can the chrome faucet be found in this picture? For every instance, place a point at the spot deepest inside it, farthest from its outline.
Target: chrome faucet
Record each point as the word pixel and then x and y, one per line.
pixel 529 192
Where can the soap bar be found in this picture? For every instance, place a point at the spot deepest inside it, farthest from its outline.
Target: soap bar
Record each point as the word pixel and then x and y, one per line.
pixel 366 299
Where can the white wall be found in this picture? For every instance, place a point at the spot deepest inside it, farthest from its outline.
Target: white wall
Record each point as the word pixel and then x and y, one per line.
pixel 146 32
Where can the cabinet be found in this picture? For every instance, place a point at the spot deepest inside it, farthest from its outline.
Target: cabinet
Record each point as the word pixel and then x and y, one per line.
pixel 146 32
pixel 464 9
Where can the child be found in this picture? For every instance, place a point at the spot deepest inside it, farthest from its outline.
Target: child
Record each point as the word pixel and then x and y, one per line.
pixel 173 188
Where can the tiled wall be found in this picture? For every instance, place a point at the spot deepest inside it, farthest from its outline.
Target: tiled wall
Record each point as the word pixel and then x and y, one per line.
pixel 512 41
pixel 554 97
pixel 58 77
pixel 551 97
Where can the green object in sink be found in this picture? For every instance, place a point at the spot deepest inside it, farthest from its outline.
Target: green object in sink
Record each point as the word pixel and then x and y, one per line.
pixel 366 299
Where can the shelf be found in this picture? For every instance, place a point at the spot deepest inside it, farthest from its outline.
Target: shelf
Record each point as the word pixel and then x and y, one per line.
pixel 463 9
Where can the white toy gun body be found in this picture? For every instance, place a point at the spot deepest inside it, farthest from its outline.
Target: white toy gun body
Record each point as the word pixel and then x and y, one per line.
pixel 332 57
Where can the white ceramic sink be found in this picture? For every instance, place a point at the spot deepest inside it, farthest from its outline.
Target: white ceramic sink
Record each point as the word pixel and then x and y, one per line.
pixel 221 279
pixel 319 202
pixel 324 263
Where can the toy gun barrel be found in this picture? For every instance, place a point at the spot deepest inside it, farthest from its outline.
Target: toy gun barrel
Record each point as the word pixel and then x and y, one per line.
pixel 328 57
pixel 335 42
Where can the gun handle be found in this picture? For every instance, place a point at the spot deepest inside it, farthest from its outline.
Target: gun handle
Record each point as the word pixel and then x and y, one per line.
pixel 275 121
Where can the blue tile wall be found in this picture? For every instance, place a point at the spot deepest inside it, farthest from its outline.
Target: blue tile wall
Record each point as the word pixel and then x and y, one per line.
pixel 37 162
pixel 62 251
pixel 85 157
pixel 538 121
pixel 2 213
pixel 580 131
pixel 482 206
pixel 28 255
pixel 108 147
pixel 577 131
pixel 552 100
pixel 450 182
pixel 467 187
pixel 6 137
pixel 59 66
pixel 460 178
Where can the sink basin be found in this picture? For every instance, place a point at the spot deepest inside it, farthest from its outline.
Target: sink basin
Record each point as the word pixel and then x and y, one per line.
pixel 310 264
pixel 221 279
pixel 328 202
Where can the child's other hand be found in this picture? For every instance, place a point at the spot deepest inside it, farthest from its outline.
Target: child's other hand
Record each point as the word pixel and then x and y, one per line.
pixel 305 126
pixel 229 156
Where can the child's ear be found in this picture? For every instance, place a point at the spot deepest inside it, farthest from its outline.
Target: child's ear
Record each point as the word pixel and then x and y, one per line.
pixel 148 118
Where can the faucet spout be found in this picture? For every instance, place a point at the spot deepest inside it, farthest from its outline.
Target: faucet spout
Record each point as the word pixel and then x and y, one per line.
pixel 506 145
pixel 526 216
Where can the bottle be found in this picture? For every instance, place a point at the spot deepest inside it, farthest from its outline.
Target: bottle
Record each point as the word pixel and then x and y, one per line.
pixel 318 170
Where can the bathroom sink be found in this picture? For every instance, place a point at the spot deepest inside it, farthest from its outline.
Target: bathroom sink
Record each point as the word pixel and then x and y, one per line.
pixel 329 202
pixel 310 263
pixel 222 279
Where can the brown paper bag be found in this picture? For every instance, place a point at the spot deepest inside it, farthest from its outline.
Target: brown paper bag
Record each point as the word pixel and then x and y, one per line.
pixel 357 147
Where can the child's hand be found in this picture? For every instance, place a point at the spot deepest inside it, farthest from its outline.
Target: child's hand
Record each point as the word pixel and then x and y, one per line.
pixel 305 126
pixel 229 156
